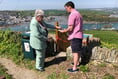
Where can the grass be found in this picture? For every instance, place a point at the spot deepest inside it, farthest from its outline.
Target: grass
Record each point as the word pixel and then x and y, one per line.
pixel 29 63
pixel 108 76
pixel 108 38
pixel 84 68
pixel 11 47
pixel 3 73
pixel 58 76
pixel 102 65
pixel 52 31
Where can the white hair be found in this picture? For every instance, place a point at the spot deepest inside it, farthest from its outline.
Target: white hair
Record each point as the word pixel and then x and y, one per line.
pixel 39 12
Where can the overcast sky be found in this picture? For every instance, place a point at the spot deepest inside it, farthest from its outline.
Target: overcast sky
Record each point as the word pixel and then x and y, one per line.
pixel 54 4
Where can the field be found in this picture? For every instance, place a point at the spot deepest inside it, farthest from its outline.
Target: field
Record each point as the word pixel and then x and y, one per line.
pixel 108 38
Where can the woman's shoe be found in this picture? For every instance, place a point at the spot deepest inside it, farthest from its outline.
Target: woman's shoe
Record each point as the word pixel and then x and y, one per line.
pixel 41 69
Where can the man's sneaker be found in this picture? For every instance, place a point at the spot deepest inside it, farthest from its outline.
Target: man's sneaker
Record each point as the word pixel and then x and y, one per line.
pixel 73 64
pixel 71 70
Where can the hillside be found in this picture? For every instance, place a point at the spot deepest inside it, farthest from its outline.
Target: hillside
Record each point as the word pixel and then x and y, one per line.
pixel 11 57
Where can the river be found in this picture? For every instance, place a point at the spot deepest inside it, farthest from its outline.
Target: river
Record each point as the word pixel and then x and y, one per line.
pixel 86 26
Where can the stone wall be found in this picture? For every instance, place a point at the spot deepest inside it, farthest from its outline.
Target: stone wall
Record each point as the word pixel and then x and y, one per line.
pixel 105 54
pixel 92 50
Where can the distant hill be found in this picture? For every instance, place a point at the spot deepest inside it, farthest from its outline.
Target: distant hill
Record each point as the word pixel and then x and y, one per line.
pixel 97 15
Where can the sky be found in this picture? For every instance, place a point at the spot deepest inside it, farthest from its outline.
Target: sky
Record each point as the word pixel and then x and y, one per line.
pixel 54 4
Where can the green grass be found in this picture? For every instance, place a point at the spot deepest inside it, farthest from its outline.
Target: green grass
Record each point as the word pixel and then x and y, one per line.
pixel 29 63
pixel 108 38
pixel 84 68
pixel 102 65
pixel 3 73
pixel 108 76
pixel 11 47
pixel 58 76
pixel 52 31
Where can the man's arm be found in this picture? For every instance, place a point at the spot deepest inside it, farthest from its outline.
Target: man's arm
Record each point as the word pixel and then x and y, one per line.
pixel 69 29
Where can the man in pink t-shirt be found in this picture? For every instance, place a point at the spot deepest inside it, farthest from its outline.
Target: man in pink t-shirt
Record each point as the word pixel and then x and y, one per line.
pixel 75 24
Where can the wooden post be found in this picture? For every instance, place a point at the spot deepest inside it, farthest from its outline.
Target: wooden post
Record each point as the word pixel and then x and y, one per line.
pixel 61 40
pixel 57 24
pixel 57 35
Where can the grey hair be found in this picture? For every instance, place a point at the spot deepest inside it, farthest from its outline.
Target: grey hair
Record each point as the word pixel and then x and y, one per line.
pixel 39 12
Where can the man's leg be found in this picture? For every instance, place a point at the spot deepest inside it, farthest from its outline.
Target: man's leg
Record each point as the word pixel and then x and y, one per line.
pixel 76 45
pixel 76 57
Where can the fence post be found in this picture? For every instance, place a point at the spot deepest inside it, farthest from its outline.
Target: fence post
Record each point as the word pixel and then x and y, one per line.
pixel 61 40
pixel 57 35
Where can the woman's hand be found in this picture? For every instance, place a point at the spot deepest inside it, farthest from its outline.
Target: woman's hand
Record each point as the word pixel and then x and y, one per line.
pixel 58 27
pixel 62 31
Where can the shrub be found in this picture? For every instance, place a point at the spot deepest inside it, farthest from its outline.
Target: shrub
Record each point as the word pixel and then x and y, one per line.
pixel 10 45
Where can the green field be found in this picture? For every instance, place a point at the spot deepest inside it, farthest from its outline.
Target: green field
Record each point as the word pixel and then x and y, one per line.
pixel 108 38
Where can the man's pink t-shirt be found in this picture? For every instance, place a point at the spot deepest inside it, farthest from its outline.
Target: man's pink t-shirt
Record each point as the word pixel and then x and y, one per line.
pixel 75 20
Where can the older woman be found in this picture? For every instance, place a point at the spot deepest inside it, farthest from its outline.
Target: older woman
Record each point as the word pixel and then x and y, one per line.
pixel 38 37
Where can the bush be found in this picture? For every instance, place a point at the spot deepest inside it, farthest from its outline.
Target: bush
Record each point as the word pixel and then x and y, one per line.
pixel 10 45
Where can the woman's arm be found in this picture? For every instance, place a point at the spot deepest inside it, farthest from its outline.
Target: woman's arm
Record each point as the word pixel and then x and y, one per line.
pixel 52 26
pixel 49 25
pixel 36 32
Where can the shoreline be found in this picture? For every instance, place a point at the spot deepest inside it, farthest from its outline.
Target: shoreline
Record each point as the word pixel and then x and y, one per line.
pixel 1 27
pixel 94 22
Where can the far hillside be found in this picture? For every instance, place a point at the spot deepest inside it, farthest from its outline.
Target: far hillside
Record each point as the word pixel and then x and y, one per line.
pixel 94 15
pixel 88 14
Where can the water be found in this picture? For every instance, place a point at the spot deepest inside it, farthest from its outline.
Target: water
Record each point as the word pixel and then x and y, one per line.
pixel 20 28
pixel 96 26
pixel 25 27
pixel 99 26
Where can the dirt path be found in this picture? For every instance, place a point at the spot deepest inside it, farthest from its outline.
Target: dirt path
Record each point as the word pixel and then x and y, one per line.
pixel 57 64
pixel 22 73
pixel 18 72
